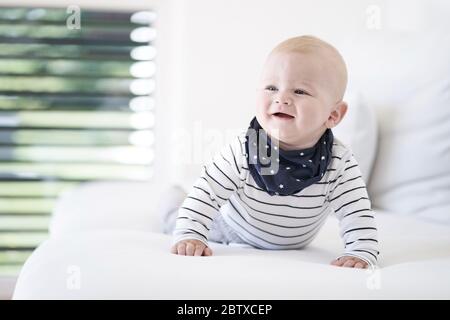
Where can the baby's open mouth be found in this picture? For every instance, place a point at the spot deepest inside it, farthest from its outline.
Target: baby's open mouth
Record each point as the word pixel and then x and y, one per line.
pixel 281 115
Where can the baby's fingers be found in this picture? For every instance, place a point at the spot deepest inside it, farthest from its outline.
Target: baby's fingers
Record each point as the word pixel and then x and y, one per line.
pixel 190 249
pixel 337 262
pixel 207 251
pixel 178 248
pixel 349 263
pixel 181 248
pixel 199 249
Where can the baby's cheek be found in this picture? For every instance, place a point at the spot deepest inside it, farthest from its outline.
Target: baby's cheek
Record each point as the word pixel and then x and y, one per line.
pixel 314 117
pixel 261 99
pixel 262 111
pixel 260 108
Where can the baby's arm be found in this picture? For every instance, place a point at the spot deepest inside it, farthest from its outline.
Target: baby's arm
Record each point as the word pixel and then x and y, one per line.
pixel 349 199
pixel 218 180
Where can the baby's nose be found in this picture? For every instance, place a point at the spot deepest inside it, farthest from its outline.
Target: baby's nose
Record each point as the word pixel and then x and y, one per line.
pixel 283 101
pixel 283 98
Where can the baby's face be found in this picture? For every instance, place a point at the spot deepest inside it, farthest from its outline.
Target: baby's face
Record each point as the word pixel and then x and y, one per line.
pixel 295 97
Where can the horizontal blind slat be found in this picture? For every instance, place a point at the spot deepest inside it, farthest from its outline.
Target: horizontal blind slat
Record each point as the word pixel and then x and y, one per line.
pixel 98 41
pixel 55 14
pixel 75 52
pixel 65 137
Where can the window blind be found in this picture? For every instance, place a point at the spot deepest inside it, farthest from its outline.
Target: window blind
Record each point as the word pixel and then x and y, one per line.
pixel 76 105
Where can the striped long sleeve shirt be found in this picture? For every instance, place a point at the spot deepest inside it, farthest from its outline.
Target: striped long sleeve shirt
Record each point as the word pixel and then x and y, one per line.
pixel 280 222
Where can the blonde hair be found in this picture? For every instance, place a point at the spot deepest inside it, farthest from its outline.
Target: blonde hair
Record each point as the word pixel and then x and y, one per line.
pixel 308 44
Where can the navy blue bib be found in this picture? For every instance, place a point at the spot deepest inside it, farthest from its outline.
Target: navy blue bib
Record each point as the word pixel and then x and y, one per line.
pixel 294 170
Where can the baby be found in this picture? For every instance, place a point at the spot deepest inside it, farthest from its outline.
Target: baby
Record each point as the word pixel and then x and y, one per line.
pixel 275 184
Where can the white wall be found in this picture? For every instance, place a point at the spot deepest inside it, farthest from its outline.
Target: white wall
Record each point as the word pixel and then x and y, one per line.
pixel 212 52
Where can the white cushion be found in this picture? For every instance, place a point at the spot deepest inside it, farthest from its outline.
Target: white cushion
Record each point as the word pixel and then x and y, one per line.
pixel 106 205
pixel 412 172
pixel 135 264
pixel 404 76
pixel 358 130
pixel 411 97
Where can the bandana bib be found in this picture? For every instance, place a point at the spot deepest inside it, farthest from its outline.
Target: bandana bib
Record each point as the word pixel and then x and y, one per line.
pixel 285 172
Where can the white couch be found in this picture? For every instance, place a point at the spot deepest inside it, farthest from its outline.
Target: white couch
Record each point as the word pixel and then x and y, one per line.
pixel 105 242
pixel 110 247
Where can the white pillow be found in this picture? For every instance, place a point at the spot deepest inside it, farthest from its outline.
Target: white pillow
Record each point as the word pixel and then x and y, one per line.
pixel 404 77
pixel 358 130
pixel 412 172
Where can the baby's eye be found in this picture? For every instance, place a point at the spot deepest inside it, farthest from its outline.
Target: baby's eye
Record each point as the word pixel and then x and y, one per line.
pixel 271 88
pixel 299 91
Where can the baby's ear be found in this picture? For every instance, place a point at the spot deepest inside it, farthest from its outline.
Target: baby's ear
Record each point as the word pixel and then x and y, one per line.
pixel 337 114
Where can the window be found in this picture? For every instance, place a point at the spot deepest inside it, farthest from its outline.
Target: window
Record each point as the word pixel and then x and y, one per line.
pixel 76 105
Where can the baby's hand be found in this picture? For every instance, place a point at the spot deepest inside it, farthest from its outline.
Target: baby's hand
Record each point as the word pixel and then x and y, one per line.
pixel 191 247
pixel 350 262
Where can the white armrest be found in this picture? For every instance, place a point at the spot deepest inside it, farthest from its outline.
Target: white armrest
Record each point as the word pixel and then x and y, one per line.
pixel 106 205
